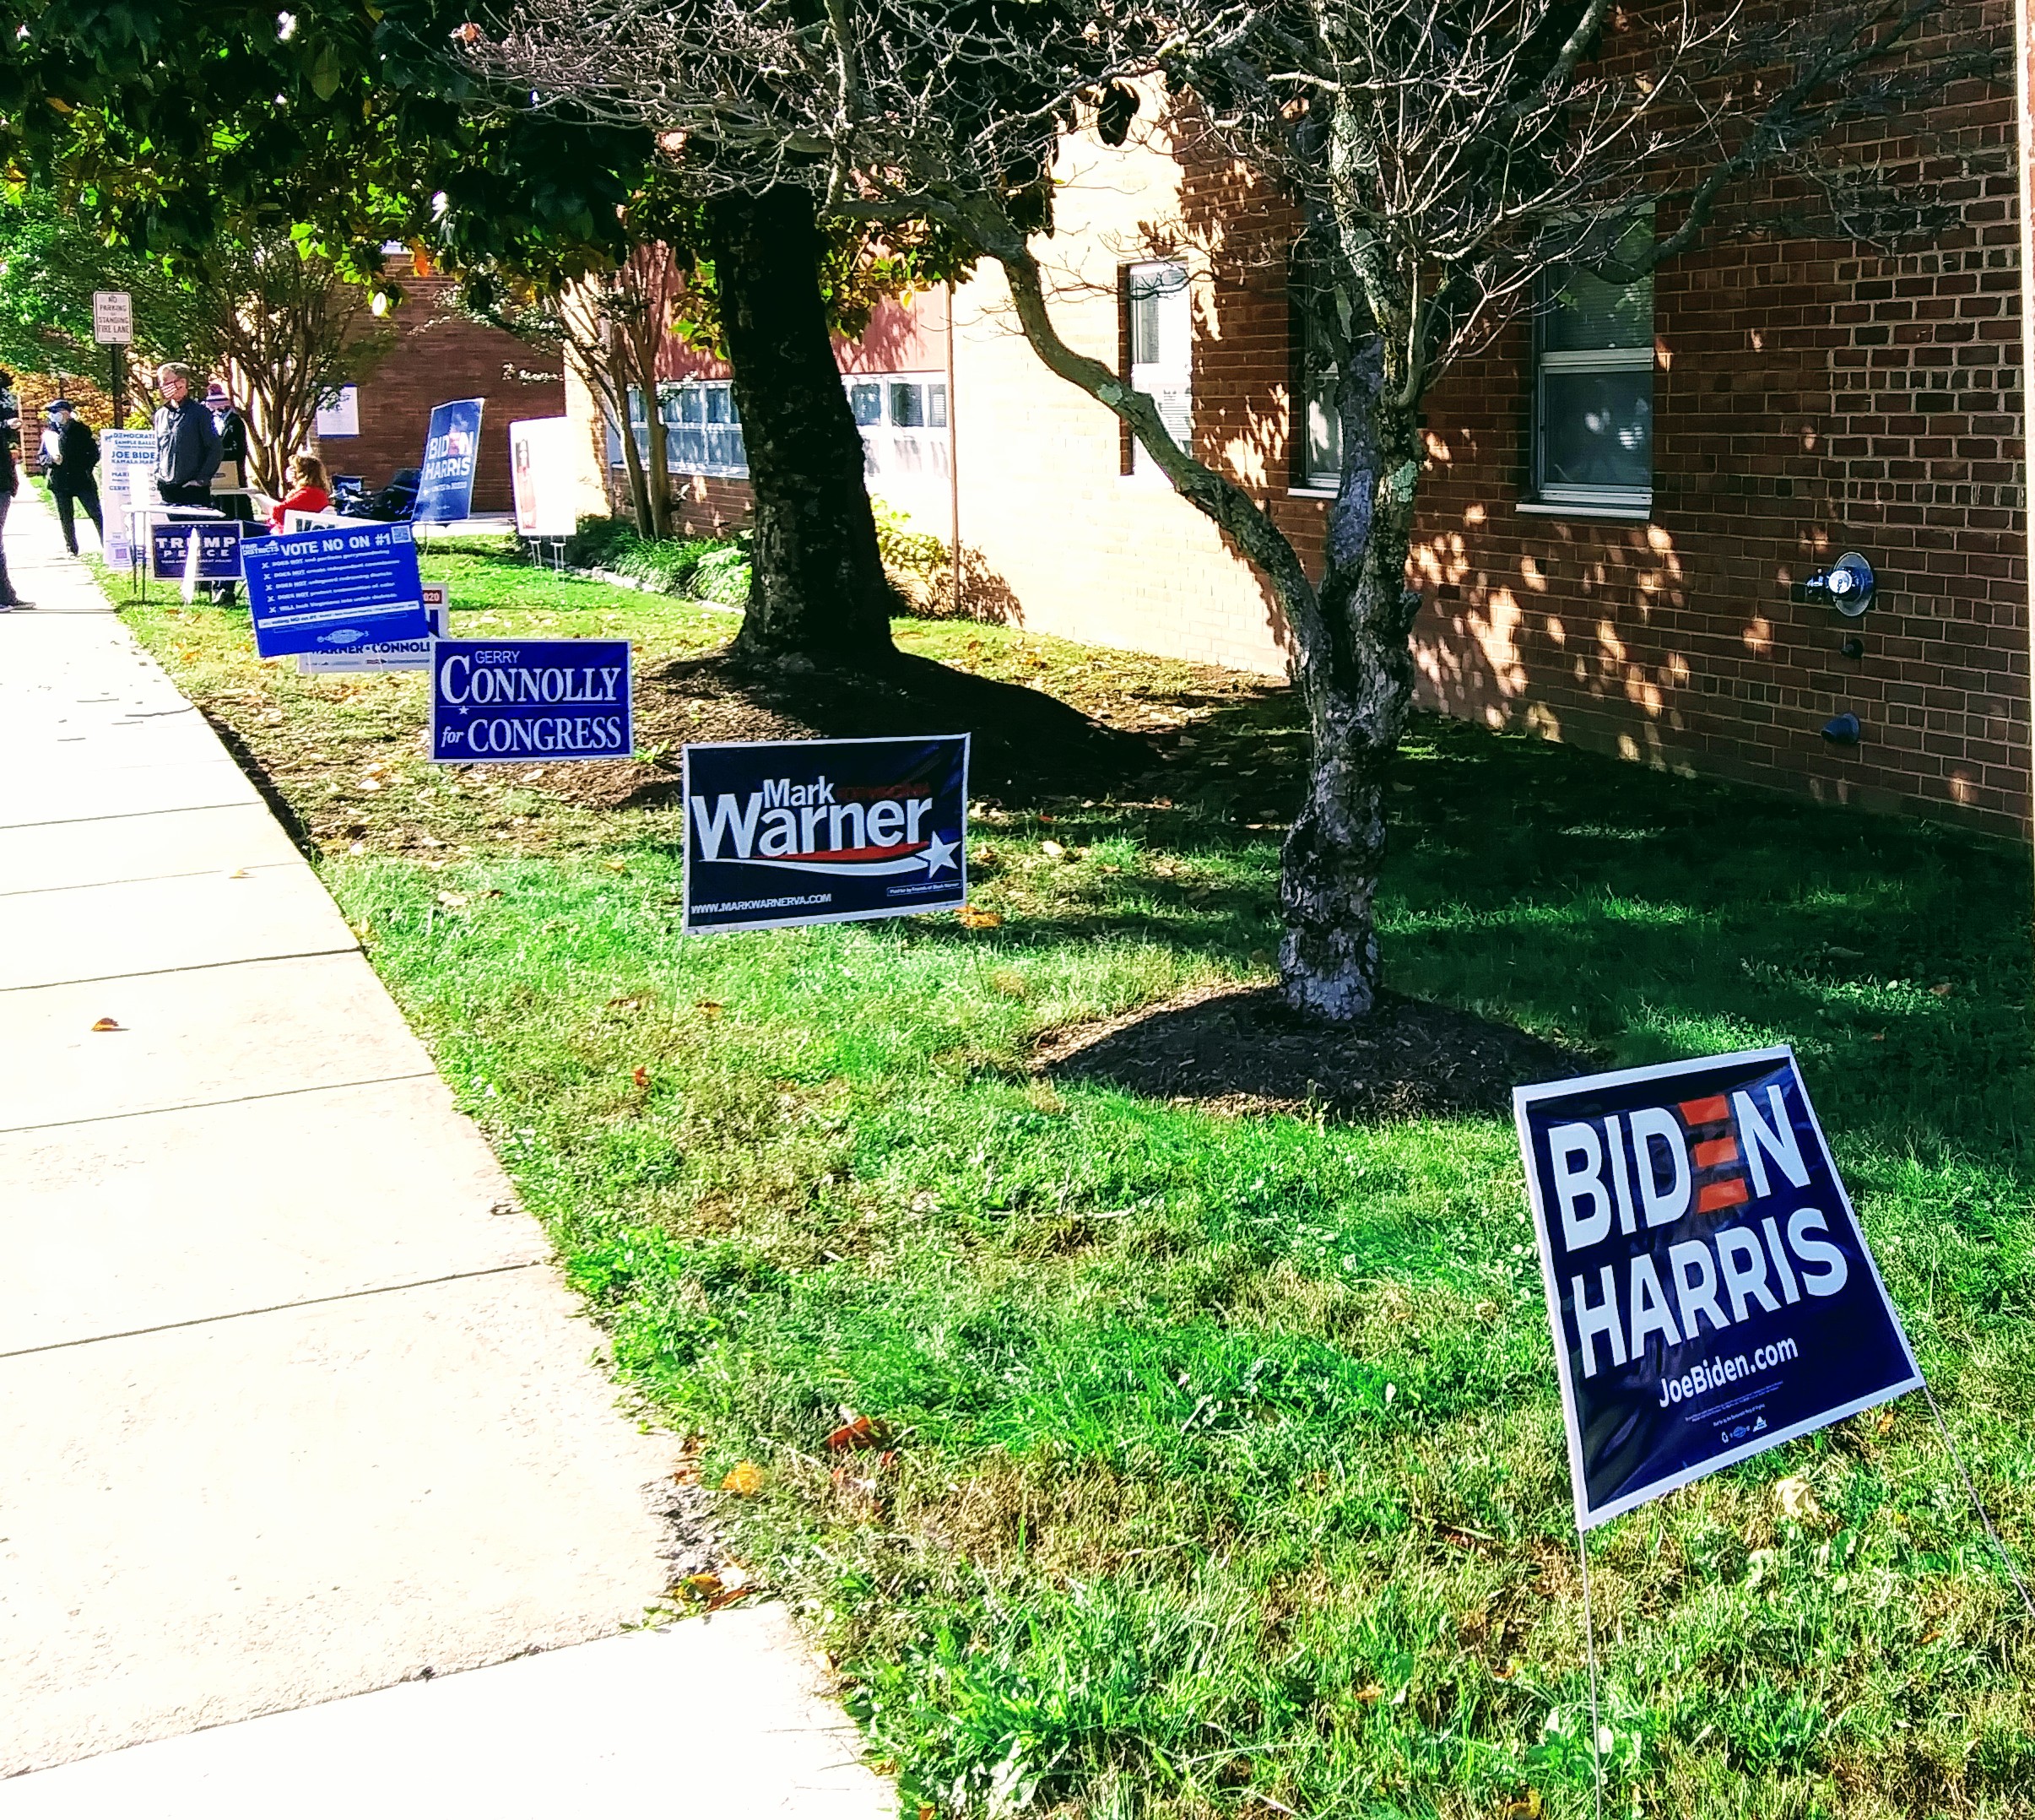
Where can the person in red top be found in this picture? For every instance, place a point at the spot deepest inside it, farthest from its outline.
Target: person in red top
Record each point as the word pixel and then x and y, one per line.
pixel 307 490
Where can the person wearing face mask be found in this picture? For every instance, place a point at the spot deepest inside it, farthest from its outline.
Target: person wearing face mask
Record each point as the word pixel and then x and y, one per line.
pixel 187 444
pixel 70 451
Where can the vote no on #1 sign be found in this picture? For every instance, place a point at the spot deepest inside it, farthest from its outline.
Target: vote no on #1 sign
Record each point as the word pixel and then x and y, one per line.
pixel 1709 1289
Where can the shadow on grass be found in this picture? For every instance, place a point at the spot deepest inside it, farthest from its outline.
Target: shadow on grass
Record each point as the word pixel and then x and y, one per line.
pixel 1243 1051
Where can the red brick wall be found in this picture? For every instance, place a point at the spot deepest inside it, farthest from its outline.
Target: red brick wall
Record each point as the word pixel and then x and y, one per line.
pixel 440 356
pixel 1810 399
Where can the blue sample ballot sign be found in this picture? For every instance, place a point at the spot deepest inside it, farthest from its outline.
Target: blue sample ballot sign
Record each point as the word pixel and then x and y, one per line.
pixel 520 701
pixel 334 587
pixel 216 547
pixel 790 831
pixel 1710 1292
pixel 452 452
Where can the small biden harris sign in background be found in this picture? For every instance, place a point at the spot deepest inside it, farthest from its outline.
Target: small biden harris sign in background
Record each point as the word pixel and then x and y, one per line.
pixel 825 831
pixel 1710 1292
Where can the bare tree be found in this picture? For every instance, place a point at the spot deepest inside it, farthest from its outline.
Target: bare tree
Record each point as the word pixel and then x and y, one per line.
pixel 1447 158
pixel 287 331
pixel 611 322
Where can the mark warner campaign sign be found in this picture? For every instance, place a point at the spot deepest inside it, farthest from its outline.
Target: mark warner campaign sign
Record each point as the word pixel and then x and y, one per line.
pixel 823 831
pixel 452 452
pixel 516 700
pixel 334 587
pixel 1710 1292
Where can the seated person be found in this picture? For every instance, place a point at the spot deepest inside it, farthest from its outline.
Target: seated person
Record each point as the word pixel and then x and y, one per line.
pixel 307 490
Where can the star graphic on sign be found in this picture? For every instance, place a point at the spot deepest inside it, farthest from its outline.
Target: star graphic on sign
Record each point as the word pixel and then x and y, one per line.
pixel 939 854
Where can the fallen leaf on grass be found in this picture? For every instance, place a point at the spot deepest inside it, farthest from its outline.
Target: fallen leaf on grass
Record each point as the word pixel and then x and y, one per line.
pixel 709 1009
pixel 1885 1424
pixel 970 917
pixel 1797 1502
pixel 453 900
pixel 1053 849
pixel 618 866
pixel 858 1431
pixel 358 848
pixel 1942 988
pixel 1372 1695
pixel 369 783
pixel 745 1479
pixel 106 1023
pixel 1526 1807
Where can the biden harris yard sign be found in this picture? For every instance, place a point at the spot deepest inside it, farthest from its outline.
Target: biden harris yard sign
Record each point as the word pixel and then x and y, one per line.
pixel 1710 1292
pixel 823 831
pixel 524 700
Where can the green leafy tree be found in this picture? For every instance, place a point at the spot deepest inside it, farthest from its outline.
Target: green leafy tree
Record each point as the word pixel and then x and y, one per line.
pixel 278 321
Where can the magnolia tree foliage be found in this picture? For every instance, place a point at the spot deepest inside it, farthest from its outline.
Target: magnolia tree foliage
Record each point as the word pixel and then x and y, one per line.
pixel 1442 157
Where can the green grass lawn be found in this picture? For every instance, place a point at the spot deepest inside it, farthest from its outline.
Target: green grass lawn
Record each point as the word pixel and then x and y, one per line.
pixel 1223 1471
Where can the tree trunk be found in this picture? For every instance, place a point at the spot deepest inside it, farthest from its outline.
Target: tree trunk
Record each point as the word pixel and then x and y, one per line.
pixel 639 499
pixel 1357 690
pixel 819 598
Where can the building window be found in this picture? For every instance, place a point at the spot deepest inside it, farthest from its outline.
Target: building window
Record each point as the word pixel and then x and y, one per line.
pixel 907 452
pixel 702 434
pixel 1316 429
pixel 1161 351
pixel 1593 391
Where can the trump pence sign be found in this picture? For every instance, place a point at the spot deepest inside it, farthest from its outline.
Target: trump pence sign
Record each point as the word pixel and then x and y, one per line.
pixel 1710 1292
pixel 781 832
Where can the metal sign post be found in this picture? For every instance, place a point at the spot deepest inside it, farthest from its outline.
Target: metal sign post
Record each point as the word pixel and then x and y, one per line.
pixel 113 328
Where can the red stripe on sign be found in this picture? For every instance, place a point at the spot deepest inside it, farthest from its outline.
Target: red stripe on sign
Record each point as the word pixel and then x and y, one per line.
pixel 1718 1196
pixel 1711 1112
pixel 1717 1150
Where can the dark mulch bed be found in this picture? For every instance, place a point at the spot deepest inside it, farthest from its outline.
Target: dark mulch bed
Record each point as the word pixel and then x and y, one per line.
pixel 1241 1051
pixel 1025 741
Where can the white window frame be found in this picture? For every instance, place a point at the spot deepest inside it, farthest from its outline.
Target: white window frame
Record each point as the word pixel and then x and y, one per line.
pixel 1620 500
pixel 931 436
pixel 1168 380
pixel 722 455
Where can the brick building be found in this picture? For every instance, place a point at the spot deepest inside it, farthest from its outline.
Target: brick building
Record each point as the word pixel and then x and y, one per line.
pixel 439 355
pixel 1622 495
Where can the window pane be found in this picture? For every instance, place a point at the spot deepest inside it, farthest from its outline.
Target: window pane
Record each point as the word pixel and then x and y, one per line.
pixel 907 404
pixel 692 405
pixel 865 400
pixel 717 405
pixel 1324 434
pixel 1583 311
pixel 936 406
pixel 1159 315
pixel 1597 428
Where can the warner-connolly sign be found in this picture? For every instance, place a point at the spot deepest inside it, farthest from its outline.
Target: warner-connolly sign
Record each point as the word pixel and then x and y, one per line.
pixel 823 831
pixel 1710 1292
pixel 521 700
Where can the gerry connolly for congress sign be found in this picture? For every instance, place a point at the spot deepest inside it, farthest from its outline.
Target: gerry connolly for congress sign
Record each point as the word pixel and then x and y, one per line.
pixel 1710 1292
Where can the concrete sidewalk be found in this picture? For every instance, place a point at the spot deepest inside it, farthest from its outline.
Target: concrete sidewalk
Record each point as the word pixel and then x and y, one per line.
pixel 292 1404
